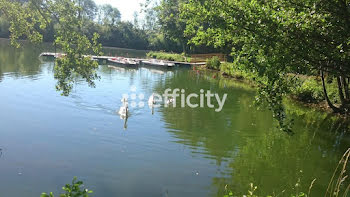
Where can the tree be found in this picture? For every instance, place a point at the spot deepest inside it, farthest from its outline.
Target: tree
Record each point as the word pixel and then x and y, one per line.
pixel 150 22
pixel 136 19
pixel 172 25
pixel 277 38
pixel 110 15
pixel 89 9
pixel 29 18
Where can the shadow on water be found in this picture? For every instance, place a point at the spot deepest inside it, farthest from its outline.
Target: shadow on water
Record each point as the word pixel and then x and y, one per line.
pixel 245 143
pixel 20 62
pixel 25 61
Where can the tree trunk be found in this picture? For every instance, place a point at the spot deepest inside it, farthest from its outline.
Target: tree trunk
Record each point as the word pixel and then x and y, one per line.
pixel 340 89
pixel 334 108
pixel 346 89
pixel 183 47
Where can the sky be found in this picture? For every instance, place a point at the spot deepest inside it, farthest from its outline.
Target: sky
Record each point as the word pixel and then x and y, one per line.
pixel 126 7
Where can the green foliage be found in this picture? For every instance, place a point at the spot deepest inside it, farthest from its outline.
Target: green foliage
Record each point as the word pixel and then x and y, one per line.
pixel 168 56
pixel 72 190
pixel 170 21
pixel 304 88
pixel 108 15
pixel 274 39
pixel 162 28
pixel 75 44
pixel 122 34
pixel 251 192
pixel 232 70
pixel 25 19
pixel 309 89
pixel 89 9
pixel 213 63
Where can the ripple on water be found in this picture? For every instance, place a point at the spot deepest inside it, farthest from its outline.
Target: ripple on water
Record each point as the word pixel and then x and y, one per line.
pixel 32 75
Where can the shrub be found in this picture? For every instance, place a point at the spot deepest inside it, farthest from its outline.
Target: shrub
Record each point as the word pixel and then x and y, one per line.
pixel 227 68
pixel 231 69
pixel 72 190
pixel 309 89
pixel 168 56
pixel 213 63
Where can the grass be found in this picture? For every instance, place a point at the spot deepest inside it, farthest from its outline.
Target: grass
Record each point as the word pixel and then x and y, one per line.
pixel 229 69
pixel 168 56
pixel 339 176
pixel 307 89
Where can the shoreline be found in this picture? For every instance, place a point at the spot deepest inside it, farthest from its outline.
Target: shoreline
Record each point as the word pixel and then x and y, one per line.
pixel 321 107
pixel 106 47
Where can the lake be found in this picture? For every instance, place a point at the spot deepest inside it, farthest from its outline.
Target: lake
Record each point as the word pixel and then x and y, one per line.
pixel 46 139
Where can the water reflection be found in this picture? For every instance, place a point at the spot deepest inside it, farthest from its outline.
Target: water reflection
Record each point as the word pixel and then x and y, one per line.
pixel 246 145
pixel 123 69
pixel 22 62
pixel 125 118
pixel 195 151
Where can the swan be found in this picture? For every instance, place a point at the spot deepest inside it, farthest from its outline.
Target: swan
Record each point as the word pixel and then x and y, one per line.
pixel 124 110
pixel 151 100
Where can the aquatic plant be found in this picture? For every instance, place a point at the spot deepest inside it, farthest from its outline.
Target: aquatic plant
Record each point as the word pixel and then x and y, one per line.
pixel 72 190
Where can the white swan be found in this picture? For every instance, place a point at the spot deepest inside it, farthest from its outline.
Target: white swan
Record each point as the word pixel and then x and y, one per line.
pixel 151 100
pixel 124 110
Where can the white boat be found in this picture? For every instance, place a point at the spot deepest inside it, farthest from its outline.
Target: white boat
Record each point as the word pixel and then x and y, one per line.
pixel 130 61
pixel 154 62
pixel 123 61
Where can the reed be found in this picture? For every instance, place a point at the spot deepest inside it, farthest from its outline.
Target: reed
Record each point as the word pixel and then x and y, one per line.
pixel 334 188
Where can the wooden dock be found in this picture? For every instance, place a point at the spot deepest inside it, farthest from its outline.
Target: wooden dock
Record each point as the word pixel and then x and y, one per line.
pixel 105 58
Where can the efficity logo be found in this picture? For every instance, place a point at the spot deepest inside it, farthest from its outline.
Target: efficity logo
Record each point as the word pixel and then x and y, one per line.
pixel 175 98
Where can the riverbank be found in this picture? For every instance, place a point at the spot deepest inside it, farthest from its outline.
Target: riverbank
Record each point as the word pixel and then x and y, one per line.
pixel 303 90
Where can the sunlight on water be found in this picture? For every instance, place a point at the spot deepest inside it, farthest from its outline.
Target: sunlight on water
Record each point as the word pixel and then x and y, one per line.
pixel 46 139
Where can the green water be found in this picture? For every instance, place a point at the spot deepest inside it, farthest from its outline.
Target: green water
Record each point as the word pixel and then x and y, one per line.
pixel 46 139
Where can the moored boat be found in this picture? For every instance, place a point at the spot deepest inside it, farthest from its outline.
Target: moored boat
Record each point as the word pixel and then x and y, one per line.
pixel 154 62
pixel 123 61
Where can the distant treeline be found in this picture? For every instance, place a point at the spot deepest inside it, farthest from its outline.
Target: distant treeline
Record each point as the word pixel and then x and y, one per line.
pixel 144 34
